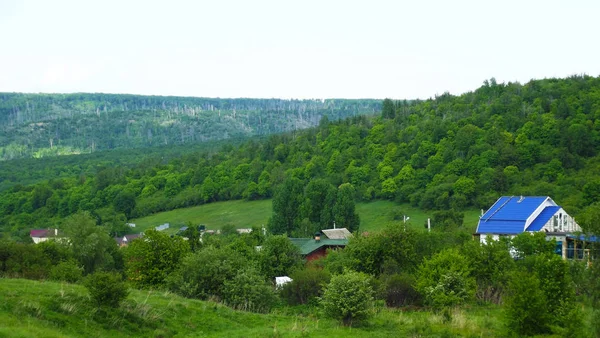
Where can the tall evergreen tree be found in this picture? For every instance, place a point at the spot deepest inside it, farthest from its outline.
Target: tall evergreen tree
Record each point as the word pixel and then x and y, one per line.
pixel 388 110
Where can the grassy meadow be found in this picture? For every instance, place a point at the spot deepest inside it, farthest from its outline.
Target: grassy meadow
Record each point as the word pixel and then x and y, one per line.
pixel 246 214
pixel 48 309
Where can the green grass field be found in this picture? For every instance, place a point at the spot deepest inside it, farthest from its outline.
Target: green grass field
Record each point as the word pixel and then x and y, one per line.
pixel 47 309
pixel 243 214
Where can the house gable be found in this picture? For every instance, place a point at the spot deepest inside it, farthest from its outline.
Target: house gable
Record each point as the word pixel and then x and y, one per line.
pixel 543 218
pixel 554 220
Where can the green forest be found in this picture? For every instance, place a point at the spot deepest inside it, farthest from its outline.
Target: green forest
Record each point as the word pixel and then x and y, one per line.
pixel 448 152
pixel 443 155
pixel 43 125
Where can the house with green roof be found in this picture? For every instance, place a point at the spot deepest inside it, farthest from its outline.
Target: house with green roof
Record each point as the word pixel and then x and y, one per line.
pixel 316 247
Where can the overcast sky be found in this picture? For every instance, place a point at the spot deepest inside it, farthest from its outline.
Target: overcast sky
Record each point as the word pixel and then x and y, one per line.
pixel 292 49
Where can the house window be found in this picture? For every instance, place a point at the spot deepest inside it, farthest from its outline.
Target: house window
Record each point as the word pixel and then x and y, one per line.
pixel 558 248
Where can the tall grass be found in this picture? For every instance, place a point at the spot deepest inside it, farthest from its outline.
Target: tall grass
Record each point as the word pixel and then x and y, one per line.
pixel 47 309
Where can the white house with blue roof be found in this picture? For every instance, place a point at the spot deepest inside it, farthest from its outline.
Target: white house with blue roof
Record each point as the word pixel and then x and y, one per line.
pixel 512 215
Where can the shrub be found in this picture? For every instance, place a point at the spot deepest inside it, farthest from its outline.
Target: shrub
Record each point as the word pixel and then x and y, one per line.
pixel 278 256
pixel 491 265
pixel 306 285
pixel 248 291
pixel 525 307
pixel 529 244
pixel 444 280
pixel 348 297
pixel 398 290
pixel 68 271
pixel 203 274
pixel 151 259
pixel 556 285
pixel 106 288
pixel 20 260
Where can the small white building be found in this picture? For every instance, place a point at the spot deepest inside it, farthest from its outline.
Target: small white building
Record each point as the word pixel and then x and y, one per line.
pixel 281 281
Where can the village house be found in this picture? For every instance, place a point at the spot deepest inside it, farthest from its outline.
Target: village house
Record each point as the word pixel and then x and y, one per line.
pixel 316 247
pixel 42 235
pixel 126 240
pixel 512 215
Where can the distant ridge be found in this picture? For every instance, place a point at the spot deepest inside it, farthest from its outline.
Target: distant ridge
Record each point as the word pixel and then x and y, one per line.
pixel 41 125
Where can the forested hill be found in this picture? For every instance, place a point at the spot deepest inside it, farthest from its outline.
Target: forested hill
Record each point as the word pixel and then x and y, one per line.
pixel 38 125
pixel 451 152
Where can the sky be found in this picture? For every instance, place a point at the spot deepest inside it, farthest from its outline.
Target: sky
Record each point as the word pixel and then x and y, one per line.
pixel 292 49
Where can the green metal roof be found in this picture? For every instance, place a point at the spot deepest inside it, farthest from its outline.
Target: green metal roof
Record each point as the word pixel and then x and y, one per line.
pixel 308 245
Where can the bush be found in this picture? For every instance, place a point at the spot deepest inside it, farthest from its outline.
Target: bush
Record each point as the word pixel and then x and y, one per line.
pixel 106 288
pixel 447 219
pixel 67 271
pixel 306 285
pixel 248 291
pixel 278 256
pixel 151 259
pixel 528 244
pixel 398 290
pixel 203 274
pixel 348 297
pixel 556 285
pixel 444 280
pixel 18 260
pixel 525 307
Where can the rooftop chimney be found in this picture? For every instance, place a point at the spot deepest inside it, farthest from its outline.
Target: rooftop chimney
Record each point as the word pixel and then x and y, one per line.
pixel 317 237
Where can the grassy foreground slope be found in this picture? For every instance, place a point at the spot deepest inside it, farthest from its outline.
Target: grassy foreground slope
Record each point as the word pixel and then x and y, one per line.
pixel 246 214
pixel 47 309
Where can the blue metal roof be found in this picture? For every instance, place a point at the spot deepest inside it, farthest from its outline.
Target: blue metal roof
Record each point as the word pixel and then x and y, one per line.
pixel 509 214
pixel 542 218
pixel 501 227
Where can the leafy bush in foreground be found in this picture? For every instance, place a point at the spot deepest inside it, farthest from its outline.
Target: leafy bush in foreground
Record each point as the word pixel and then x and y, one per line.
pixel 248 291
pixel 444 280
pixel 306 285
pixel 348 297
pixel 106 288
pixel 68 271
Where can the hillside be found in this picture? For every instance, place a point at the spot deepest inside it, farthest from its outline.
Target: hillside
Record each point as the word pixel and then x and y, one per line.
pixel 42 125
pixel 447 153
pixel 247 214
pixel 47 309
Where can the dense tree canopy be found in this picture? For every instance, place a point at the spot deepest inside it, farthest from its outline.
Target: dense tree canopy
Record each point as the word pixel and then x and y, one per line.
pixel 450 152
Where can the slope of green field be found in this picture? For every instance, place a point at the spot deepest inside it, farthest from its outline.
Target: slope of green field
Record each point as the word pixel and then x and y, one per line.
pixel 242 214
pixel 47 309
pixel 246 214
